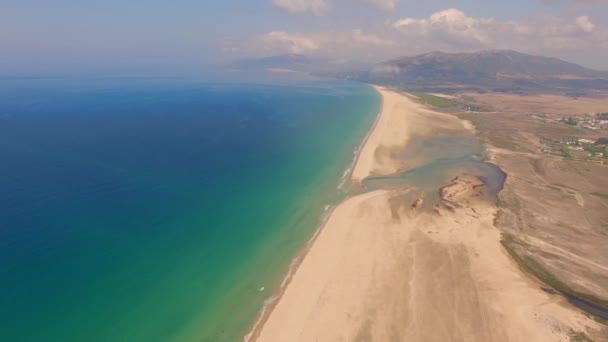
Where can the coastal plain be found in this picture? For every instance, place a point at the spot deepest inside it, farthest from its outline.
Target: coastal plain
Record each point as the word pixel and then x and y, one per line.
pixel 553 207
pixel 377 271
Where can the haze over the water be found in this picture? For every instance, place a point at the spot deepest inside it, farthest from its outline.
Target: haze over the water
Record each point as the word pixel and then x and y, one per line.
pixel 84 37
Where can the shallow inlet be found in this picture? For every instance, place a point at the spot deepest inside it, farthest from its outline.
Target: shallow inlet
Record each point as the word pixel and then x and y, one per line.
pixel 433 161
pixel 587 306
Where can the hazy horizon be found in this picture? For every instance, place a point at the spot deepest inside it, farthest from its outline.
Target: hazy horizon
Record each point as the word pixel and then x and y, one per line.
pixel 65 37
pixel 303 170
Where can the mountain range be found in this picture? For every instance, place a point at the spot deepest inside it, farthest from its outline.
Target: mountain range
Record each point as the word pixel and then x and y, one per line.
pixel 501 70
pixel 497 70
pixel 481 65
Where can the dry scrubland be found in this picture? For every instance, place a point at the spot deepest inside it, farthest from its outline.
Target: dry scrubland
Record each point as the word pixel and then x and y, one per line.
pixel 553 210
pixel 542 103
pixel 377 272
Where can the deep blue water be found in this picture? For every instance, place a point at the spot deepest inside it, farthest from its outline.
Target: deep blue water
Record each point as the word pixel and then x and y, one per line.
pixel 155 209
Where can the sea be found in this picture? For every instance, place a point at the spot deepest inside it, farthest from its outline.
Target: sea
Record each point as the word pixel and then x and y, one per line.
pixel 163 208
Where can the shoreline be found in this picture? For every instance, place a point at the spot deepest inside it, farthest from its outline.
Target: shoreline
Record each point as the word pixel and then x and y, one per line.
pixel 273 300
pixel 378 268
pixel 366 139
pixel 364 146
pixel 404 118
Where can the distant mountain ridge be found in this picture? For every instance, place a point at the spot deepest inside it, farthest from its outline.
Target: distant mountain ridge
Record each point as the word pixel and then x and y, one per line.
pixel 497 70
pixel 500 69
pixel 487 63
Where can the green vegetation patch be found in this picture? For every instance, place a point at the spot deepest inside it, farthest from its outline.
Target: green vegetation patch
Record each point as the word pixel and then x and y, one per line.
pixel 566 152
pixel 600 194
pixel 570 121
pixel 533 267
pixel 577 336
pixel 594 148
pixel 600 320
pixel 602 141
pixel 435 101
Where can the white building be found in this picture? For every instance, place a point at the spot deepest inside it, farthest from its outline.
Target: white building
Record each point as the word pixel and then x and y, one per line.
pixel 586 141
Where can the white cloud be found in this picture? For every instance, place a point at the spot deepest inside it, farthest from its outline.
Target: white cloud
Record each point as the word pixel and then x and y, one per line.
pixel 584 23
pixel 451 30
pixel 450 24
pixel 316 7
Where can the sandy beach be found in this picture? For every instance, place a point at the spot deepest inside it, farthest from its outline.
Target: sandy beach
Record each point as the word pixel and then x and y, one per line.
pixel 380 273
pixel 401 118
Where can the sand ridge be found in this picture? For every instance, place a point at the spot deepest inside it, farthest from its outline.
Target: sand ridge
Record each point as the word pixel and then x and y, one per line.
pixel 371 275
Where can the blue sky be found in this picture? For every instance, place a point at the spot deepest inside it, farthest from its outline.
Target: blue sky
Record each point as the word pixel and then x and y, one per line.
pixel 42 35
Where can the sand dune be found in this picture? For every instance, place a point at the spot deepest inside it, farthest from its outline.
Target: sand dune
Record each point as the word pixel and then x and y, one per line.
pixel 374 274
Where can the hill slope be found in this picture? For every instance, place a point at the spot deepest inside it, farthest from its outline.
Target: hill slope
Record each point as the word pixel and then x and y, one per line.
pixel 494 69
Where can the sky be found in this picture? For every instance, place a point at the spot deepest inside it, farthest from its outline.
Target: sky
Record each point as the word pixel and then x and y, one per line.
pixel 81 35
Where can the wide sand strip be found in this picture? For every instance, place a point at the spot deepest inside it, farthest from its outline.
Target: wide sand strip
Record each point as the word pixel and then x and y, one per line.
pixel 372 275
pixel 401 119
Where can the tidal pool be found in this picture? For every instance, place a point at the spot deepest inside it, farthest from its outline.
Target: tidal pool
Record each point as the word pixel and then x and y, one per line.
pixel 432 161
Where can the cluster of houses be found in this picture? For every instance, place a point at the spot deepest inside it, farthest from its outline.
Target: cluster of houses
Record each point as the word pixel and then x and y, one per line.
pixel 576 145
pixel 594 151
pixel 598 121
pixel 579 149
pixel 593 122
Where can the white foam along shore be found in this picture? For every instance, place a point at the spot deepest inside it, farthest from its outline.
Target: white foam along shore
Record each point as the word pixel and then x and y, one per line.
pixel 422 277
pixel 360 168
pixel 328 210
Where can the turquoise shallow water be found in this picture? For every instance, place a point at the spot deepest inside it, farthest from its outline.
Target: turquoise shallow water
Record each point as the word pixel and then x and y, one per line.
pixel 156 210
pixel 434 161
